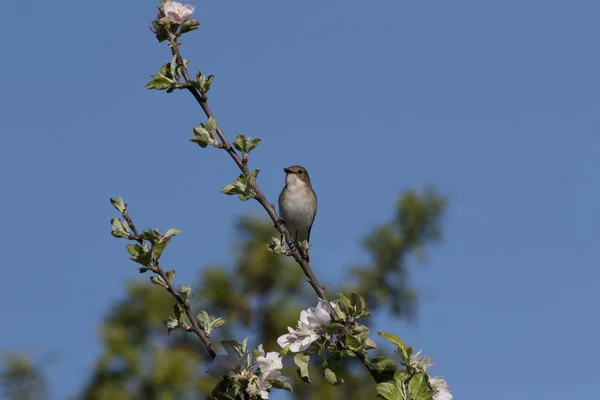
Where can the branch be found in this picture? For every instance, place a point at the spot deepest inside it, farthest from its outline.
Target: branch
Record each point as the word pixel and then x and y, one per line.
pixel 185 304
pixel 202 100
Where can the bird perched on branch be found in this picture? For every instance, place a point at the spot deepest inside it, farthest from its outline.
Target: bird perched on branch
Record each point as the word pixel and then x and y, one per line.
pixel 298 204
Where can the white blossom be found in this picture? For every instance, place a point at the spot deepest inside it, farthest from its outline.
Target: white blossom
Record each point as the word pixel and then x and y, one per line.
pixel 316 317
pixel 270 365
pixel 263 387
pixel 178 13
pixel 442 390
pixel 308 329
pixel 419 362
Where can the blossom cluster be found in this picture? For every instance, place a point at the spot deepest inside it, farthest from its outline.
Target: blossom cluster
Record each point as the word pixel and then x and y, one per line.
pixel 309 328
pixel 237 365
pixel 177 12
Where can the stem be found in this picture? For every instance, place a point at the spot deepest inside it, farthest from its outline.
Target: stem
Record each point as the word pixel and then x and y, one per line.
pixel 185 305
pixel 188 311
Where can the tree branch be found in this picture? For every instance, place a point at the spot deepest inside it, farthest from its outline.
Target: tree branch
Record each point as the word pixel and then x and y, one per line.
pixel 202 100
pixel 185 305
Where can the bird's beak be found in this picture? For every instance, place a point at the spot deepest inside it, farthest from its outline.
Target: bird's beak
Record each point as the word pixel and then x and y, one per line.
pixel 288 171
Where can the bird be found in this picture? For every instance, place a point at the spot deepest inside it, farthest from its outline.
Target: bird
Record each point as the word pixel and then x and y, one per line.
pixel 298 204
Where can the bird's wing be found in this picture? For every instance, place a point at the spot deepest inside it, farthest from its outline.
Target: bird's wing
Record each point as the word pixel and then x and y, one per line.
pixel 313 220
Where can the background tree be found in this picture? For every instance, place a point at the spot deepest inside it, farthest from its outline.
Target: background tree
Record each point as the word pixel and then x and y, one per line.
pixel 259 295
pixel 21 378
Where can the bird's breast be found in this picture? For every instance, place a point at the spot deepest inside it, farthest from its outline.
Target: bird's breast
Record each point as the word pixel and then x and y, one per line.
pixel 298 207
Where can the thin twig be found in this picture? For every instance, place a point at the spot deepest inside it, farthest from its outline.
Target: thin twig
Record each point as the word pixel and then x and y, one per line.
pixel 185 305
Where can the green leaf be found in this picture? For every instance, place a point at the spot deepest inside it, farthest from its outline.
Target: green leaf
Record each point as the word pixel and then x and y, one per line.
pixel 117 229
pixel 345 301
pixel 178 312
pixel 203 82
pixel 244 144
pixel 160 82
pixel 282 385
pixel 202 136
pixel 358 303
pixel 339 313
pixel 243 186
pixel 158 248
pixel 216 323
pixel 276 246
pixel 211 126
pixel 125 226
pixel 203 319
pixel 330 376
pixel 354 299
pixel 188 26
pixel 171 275
pixel 173 68
pixel 251 177
pixel 336 327
pixel 208 322
pixel 352 342
pixel 360 329
pixel 240 143
pixel 119 204
pixel 185 292
pixel 383 368
pixel 401 377
pixel 370 344
pixel 388 391
pixel 390 337
pixel 205 134
pixel 301 360
pixel 138 254
pixel 171 324
pixel 158 28
pixel 253 143
pixel 158 280
pixel 417 385
pixel 152 235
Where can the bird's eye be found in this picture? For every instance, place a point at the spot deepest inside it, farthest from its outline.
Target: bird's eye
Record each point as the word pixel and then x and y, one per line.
pixel 300 172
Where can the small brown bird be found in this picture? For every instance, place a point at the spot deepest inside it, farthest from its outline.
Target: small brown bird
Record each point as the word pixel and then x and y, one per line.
pixel 298 203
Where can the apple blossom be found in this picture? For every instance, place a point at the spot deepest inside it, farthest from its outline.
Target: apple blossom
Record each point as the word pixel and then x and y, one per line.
pixel 178 13
pixel 442 390
pixel 308 329
pixel 270 365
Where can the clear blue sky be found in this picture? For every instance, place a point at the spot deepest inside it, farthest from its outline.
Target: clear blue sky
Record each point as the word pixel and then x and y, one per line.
pixel 494 103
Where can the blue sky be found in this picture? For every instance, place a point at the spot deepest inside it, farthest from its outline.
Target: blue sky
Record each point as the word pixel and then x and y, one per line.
pixel 494 103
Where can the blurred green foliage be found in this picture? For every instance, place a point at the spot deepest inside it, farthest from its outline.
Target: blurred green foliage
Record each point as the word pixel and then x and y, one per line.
pixel 21 379
pixel 259 295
